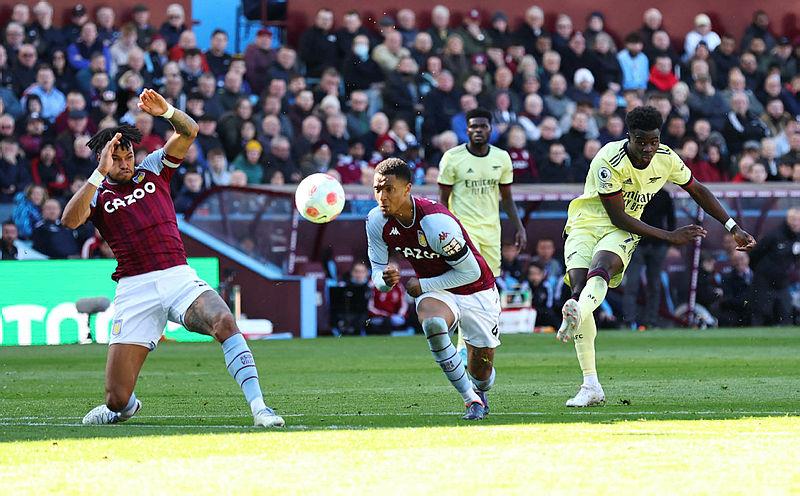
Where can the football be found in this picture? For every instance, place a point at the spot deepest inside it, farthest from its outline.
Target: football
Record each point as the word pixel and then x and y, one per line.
pixel 319 198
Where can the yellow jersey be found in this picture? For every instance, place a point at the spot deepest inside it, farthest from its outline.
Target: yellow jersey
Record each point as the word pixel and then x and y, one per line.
pixel 476 181
pixel 611 172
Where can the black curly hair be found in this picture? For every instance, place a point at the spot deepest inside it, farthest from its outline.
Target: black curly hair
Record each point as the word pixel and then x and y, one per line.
pixel 645 118
pixel 394 167
pixel 130 135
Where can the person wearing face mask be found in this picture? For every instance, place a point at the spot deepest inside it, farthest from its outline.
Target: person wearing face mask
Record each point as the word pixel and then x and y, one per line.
pixel 359 71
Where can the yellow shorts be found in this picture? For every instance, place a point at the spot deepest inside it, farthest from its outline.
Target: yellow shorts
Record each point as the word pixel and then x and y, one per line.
pixel 583 244
pixel 490 251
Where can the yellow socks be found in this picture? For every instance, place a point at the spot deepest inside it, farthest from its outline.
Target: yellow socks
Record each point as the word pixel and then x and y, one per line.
pixel 593 293
pixel 584 347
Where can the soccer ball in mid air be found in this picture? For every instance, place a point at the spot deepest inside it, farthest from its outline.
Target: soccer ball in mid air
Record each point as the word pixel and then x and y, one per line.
pixel 319 198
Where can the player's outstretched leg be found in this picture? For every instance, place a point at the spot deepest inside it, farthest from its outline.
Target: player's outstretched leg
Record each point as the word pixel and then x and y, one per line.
pixel 122 369
pixel 208 314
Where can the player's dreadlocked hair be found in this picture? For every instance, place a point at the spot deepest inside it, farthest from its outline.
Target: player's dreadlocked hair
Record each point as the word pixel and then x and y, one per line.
pixel 130 135
pixel 394 167
pixel 645 118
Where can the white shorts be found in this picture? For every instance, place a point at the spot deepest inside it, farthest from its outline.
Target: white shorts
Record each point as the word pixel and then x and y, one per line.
pixel 477 313
pixel 144 303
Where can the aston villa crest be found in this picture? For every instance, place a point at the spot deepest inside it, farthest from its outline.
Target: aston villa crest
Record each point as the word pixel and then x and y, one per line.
pixel 139 177
pixel 421 238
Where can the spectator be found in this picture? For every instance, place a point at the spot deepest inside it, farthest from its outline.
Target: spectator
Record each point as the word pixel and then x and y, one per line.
pixel 80 52
pixel 605 64
pixel 772 259
pixel 531 29
pixel 144 30
pixel 249 162
pixel 284 65
pixel 476 40
pixel 8 247
pixel 407 26
pixel 652 21
pixel 545 256
pixel 96 247
pixel 14 38
pixel 318 159
pixel 150 140
pixel 317 46
pixel 556 102
pixel 53 101
pixel 742 124
pixel 706 103
pixel 349 166
pixel 191 191
pixel 555 168
pixel 753 77
pixel 773 88
pixel 402 98
pixel 41 32
pixel 440 27
pixel 584 91
pixel 14 175
pixel 106 32
pixel 389 53
pixel 659 45
pixel 511 272
pixel 775 117
pixel 577 134
pixel 218 173
pixel 51 238
pixel 674 132
pixel 217 57
pixel 549 133
pixel 230 124
pixel 28 209
pixel 174 25
pixel 531 116
pixel 662 77
pixel 736 305
pixel 48 172
pixel 701 169
pixel 563 32
pixel 634 64
pixel 258 58
pixel 280 159
pixel 359 71
pixel 542 299
pixel 352 26
pixel 23 73
pixel 702 33
pixel 736 83
pixel 759 28
pixel 387 311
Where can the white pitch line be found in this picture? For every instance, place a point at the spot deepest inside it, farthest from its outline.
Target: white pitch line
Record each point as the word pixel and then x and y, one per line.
pixel 148 426
pixel 440 414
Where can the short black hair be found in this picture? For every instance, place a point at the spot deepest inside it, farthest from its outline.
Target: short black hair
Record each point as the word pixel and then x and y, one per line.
pixel 219 31
pixel 644 118
pixel 394 167
pixel 130 135
pixel 479 112
pixel 634 37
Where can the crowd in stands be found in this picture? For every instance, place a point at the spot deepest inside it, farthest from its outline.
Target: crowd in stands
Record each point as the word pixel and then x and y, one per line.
pixel 349 95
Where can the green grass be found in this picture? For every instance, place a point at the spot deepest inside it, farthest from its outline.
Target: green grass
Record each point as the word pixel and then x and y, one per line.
pixel 688 412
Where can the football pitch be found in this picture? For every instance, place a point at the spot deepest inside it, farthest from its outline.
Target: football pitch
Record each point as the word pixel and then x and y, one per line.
pixel 688 412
